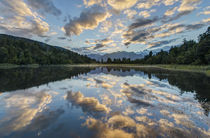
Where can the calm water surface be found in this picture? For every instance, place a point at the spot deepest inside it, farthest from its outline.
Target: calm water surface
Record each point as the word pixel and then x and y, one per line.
pixel 102 102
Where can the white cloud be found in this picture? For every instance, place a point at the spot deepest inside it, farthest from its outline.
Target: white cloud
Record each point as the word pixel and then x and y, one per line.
pixel 147 14
pixel 21 20
pixel 89 3
pixel 147 4
pixel 122 4
pixel 130 13
pixel 188 5
pixel 206 20
pixel 206 11
pixel 169 2
pixel 170 11
pixel 89 19
pixel 44 6
pixel 105 26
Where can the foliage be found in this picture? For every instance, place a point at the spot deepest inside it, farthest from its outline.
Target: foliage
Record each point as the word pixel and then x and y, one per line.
pixel 15 50
pixel 190 52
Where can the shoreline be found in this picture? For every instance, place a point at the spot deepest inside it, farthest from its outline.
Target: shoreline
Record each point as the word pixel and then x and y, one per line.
pixel 189 68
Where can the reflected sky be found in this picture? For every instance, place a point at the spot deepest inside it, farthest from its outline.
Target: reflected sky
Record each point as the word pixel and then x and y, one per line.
pixel 108 102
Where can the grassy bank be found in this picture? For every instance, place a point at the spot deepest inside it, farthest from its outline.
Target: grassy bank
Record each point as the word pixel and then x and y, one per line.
pixel 9 66
pixel 192 68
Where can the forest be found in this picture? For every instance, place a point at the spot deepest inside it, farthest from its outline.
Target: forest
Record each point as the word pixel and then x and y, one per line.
pixel 189 53
pixel 21 51
pixel 15 50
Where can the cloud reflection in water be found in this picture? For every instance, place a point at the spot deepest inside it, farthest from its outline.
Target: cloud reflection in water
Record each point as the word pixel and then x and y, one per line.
pixel 22 108
pixel 109 104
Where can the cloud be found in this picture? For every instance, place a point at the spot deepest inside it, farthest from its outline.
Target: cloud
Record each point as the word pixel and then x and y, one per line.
pixel 142 23
pixel 130 13
pixel 45 6
pixel 98 46
pixel 179 28
pixel 147 4
pixel 194 26
pixel 206 11
pixel 20 20
pixel 105 26
pixel 89 3
pixel 105 41
pixel 88 104
pixel 188 5
pixel 139 36
pixel 146 14
pixel 88 19
pixel 142 31
pixel 170 11
pixel 206 20
pixel 135 36
pixel 169 2
pixel 102 41
pixel 119 28
pixel 166 19
pixel 160 43
pixel 122 4
pixel 99 43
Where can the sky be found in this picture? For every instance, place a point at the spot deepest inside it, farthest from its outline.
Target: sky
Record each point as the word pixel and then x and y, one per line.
pixel 106 26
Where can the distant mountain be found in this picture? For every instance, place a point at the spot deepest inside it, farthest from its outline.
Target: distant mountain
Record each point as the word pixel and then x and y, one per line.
pixel 97 57
pixel 118 55
pixel 124 54
pixel 17 50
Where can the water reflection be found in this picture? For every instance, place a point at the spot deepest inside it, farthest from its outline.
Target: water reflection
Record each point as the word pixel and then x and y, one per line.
pixel 104 102
pixel 88 104
pixel 22 78
pixel 21 108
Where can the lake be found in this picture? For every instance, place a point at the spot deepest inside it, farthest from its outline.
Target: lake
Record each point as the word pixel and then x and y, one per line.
pixel 80 102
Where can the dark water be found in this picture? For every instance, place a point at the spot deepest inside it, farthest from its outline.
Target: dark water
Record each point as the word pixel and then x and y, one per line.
pixel 101 102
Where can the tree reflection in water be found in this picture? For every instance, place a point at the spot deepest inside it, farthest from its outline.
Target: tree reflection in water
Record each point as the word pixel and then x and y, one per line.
pixel 103 102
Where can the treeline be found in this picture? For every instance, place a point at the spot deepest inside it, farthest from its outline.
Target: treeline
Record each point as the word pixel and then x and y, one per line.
pixel 190 52
pixel 15 50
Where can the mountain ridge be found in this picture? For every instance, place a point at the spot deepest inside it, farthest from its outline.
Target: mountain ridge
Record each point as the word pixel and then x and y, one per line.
pixel 18 50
